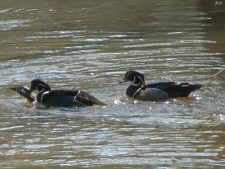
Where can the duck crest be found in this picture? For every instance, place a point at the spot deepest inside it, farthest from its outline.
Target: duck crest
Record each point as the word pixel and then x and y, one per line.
pixel 42 87
pixel 141 80
pixel 39 85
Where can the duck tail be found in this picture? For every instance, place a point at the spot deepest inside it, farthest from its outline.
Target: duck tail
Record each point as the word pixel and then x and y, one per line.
pixel 182 89
pixel 187 88
pixel 91 99
pixel 195 86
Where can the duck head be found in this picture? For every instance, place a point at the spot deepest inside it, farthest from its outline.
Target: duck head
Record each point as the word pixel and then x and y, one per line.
pixel 137 82
pixel 135 77
pixel 23 92
pixel 39 85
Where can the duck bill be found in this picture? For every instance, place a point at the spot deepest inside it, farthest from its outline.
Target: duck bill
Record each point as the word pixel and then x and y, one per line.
pixel 122 81
pixel 13 88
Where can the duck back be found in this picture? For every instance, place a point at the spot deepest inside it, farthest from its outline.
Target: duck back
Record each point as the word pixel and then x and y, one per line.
pixel 175 89
pixel 67 98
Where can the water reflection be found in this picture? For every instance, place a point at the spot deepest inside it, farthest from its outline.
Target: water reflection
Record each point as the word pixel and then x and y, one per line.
pixel 88 45
pixel 215 12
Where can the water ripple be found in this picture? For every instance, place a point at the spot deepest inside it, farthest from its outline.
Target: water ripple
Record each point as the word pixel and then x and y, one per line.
pixel 71 46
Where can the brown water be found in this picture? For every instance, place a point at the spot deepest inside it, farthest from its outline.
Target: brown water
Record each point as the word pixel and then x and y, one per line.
pixel 89 45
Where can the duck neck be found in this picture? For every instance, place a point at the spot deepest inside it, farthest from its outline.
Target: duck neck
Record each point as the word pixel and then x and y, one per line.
pixel 40 96
pixel 138 81
pixel 41 93
pixel 43 89
pixel 135 87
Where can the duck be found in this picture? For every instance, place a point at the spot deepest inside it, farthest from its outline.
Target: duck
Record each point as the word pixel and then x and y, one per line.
pixel 62 98
pixel 23 91
pixel 159 91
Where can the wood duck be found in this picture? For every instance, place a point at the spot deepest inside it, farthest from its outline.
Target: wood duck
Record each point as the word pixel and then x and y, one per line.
pixel 156 91
pixel 61 98
pixel 24 92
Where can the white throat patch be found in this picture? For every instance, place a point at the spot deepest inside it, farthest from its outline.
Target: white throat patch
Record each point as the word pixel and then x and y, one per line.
pixel 44 94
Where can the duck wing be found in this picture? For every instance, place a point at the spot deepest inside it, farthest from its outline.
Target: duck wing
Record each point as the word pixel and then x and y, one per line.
pixel 151 94
pixel 59 98
pixel 160 85
pixel 67 98
pixel 175 89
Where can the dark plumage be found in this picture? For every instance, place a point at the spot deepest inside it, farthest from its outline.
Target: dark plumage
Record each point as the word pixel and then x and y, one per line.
pixel 62 98
pixel 23 92
pixel 156 91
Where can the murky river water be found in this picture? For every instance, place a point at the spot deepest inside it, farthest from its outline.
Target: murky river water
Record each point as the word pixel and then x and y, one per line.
pixel 89 45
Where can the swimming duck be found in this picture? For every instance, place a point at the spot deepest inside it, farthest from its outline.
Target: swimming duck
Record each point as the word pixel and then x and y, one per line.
pixel 23 92
pixel 160 91
pixel 61 98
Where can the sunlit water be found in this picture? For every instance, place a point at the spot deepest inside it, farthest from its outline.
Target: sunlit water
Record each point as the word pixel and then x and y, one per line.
pixel 89 45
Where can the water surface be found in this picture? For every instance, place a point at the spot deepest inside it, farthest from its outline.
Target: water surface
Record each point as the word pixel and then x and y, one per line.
pixel 89 45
